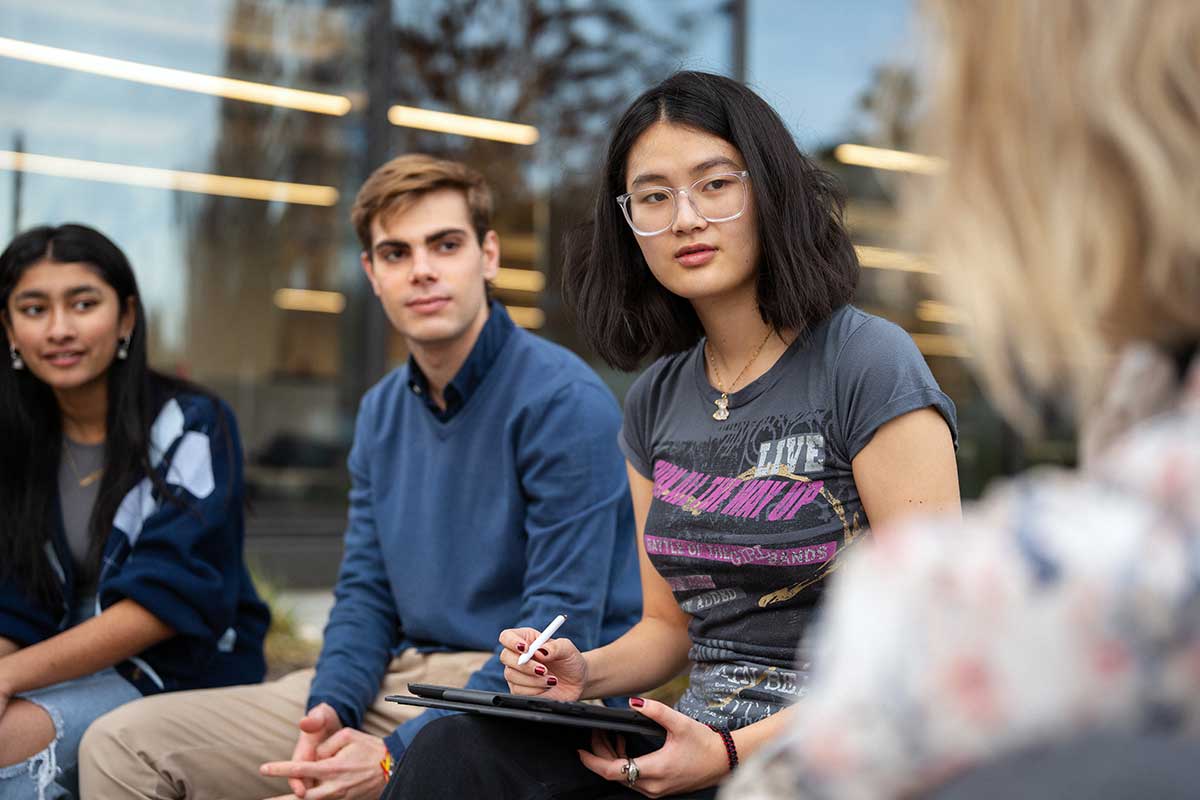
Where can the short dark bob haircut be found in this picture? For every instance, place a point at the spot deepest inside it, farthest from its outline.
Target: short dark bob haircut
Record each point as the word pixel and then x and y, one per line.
pixel 808 266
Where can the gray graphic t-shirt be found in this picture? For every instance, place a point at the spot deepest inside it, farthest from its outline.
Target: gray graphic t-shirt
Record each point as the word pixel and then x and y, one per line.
pixel 751 514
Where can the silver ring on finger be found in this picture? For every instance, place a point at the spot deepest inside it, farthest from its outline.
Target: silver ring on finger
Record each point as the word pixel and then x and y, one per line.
pixel 632 773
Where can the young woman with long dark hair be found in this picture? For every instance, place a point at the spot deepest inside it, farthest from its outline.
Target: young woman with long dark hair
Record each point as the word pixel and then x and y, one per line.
pixel 121 521
pixel 777 423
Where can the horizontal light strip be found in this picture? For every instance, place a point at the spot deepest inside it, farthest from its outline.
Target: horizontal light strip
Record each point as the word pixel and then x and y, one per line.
pixel 886 258
pixel 940 344
pixel 475 127
pixel 335 303
pixel 310 300
pixel 201 182
pixel 862 155
pixel 519 280
pixel 522 247
pixel 939 312
pixel 317 102
pixel 526 317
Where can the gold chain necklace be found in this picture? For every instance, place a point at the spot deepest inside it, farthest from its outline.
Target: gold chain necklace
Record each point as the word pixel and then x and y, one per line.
pixel 722 402
pixel 84 480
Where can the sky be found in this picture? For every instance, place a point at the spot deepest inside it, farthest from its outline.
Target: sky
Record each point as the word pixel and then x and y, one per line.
pixel 812 58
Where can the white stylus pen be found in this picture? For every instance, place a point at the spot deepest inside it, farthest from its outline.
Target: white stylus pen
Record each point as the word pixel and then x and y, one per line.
pixel 542 638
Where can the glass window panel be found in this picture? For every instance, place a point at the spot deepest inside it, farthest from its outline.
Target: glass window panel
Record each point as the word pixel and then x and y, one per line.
pixel 294 365
pixel 211 266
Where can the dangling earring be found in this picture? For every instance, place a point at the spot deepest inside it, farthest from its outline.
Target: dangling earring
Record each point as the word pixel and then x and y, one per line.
pixel 15 355
pixel 123 348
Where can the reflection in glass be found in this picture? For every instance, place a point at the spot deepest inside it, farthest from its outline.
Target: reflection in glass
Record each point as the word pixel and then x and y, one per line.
pixel 264 299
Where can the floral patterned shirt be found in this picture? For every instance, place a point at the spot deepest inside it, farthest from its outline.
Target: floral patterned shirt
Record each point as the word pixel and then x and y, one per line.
pixel 1064 602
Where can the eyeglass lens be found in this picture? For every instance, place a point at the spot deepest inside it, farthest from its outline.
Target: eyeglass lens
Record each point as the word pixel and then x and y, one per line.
pixel 716 198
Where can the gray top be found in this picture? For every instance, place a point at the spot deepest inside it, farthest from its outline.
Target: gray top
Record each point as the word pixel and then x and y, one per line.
pixel 80 464
pixel 750 515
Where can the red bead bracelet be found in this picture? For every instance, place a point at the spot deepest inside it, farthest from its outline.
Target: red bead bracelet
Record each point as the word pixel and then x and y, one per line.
pixel 730 749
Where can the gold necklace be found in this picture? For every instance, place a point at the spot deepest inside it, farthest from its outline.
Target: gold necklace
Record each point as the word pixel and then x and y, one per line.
pixel 85 480
pixel 722 402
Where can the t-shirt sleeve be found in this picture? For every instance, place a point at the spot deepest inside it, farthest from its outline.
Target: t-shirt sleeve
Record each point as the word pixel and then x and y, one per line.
pixel 634 438
pixel 880 375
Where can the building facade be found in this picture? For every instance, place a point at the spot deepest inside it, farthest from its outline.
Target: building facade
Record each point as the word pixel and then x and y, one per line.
pixel 220 143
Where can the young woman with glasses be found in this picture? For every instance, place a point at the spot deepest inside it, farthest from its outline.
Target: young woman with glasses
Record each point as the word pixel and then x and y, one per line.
pixel 776 425
pixel 121 521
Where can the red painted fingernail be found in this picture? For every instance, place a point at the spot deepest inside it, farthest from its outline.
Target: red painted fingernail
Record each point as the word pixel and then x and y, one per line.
pixel 543 651
pixel 552 681
pixel 637 702
pixel 539 669
pixel 521 647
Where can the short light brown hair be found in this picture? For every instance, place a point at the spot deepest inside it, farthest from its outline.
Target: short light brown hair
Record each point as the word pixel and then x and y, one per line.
pixel 400 182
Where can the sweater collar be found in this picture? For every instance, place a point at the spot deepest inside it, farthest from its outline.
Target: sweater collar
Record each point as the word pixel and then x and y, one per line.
pixel 483 354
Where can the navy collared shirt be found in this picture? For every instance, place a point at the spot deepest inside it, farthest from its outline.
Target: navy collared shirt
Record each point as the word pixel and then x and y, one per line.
pixel 489 344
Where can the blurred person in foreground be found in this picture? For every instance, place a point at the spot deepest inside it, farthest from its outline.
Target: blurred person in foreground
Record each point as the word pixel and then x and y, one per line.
pixel 1063 614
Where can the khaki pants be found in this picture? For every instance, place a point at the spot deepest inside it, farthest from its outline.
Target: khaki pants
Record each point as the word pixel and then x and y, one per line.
pixel 208 744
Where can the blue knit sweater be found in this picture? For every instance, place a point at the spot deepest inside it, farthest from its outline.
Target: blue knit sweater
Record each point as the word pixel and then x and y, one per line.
pixel 513 510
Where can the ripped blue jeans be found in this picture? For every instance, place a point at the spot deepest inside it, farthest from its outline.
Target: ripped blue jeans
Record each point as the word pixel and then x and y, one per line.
pixel 53 773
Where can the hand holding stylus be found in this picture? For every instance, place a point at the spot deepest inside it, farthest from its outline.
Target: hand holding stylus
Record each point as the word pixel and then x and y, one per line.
pixel 538 665
pixel 542 638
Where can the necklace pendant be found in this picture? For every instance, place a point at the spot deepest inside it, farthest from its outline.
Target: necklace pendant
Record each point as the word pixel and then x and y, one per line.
pixel 722 404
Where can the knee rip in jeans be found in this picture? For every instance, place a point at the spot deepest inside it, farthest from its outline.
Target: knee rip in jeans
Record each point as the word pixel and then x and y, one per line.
pixel 42 767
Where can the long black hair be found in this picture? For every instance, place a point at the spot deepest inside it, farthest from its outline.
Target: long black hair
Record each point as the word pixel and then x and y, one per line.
pixel 807 269
pixel 31 424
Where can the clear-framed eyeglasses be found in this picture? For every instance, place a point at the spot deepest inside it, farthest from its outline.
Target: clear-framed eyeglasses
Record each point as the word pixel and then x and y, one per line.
pixel 717 198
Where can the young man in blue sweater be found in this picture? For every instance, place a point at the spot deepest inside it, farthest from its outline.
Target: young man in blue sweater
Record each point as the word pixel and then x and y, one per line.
pixel 487 492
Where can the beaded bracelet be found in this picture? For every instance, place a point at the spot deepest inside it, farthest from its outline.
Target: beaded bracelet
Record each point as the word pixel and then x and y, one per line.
pixel 730 749
pixel 388 766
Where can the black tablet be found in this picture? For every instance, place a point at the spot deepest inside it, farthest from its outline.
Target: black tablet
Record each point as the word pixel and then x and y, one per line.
pixel 533 709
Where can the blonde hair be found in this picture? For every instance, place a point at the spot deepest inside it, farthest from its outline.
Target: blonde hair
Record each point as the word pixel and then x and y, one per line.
pixel 1067 220
pixel 400 182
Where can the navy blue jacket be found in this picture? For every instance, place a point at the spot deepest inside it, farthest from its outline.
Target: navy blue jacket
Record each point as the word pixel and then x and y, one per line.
pixel 180 558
